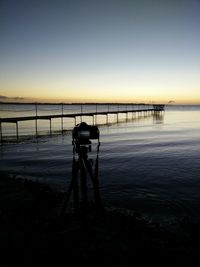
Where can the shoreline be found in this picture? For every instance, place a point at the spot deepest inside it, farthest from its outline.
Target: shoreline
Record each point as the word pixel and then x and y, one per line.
pixel 31 228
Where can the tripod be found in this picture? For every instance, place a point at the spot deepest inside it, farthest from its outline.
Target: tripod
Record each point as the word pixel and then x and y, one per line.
pixel 82 168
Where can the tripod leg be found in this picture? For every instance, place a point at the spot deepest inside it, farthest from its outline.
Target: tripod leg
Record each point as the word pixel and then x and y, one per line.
pixel 73 184
pixel 95 182
pixel 83 176
pixel 96 169
pixel 75 169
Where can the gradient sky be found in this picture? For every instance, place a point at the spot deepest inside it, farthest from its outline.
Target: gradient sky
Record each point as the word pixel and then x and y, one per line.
pixel 113 50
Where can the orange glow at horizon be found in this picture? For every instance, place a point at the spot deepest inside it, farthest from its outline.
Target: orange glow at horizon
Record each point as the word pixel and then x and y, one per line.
pixel 86 95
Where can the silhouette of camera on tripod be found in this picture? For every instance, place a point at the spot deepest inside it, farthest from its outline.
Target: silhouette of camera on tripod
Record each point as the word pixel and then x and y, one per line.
pixel 82 134
pixel 84 168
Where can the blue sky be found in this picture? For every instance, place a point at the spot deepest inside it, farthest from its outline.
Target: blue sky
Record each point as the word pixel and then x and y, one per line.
pixel 100 50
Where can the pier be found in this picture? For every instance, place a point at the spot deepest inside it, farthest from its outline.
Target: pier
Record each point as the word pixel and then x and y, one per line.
pixel 109 108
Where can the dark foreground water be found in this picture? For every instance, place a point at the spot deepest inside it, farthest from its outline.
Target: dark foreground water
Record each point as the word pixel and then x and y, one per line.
pixel 150 165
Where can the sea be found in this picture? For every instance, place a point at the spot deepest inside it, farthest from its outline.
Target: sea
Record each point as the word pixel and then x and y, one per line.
pixel 148 164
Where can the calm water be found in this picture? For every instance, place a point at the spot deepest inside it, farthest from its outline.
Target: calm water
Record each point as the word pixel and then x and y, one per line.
pixel 151 165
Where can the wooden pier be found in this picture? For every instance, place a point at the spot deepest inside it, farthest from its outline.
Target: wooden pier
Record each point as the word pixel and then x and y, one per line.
pixel 129 108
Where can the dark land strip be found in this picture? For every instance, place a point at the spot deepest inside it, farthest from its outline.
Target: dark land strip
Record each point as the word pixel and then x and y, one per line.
pixel 33 232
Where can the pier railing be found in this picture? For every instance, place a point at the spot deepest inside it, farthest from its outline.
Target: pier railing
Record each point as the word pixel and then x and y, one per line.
pixel 40 111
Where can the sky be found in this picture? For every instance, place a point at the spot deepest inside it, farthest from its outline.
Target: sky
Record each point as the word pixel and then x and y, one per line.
pixel 100 51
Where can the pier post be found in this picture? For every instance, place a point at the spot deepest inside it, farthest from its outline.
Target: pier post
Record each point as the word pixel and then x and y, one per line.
pixel 107 118
pixel 1 133
pixel 117 112
pixel 36 114
pixel 62 125
pixel 132 111
pixel 75 120
pixel 93 120
pixel 81 112
pixel 62 119
pixel 36 109
pixel 50 126
pixel 36 128
pixel 17 130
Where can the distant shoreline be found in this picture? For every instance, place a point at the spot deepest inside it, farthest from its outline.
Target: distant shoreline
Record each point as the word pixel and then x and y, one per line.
pixel 91 103
pixel 72 103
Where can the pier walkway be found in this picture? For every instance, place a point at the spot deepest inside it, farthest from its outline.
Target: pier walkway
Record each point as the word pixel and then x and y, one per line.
pixel 132 108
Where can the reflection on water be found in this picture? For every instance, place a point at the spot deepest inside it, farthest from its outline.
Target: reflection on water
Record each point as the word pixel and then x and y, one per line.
pixel 150 169
pixel 158 118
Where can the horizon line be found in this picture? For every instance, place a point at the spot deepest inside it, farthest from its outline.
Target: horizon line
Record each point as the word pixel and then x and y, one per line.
pixel 79 103
pixel 95 103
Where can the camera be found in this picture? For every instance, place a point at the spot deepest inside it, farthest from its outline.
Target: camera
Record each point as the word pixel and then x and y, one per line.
pixel 82 133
